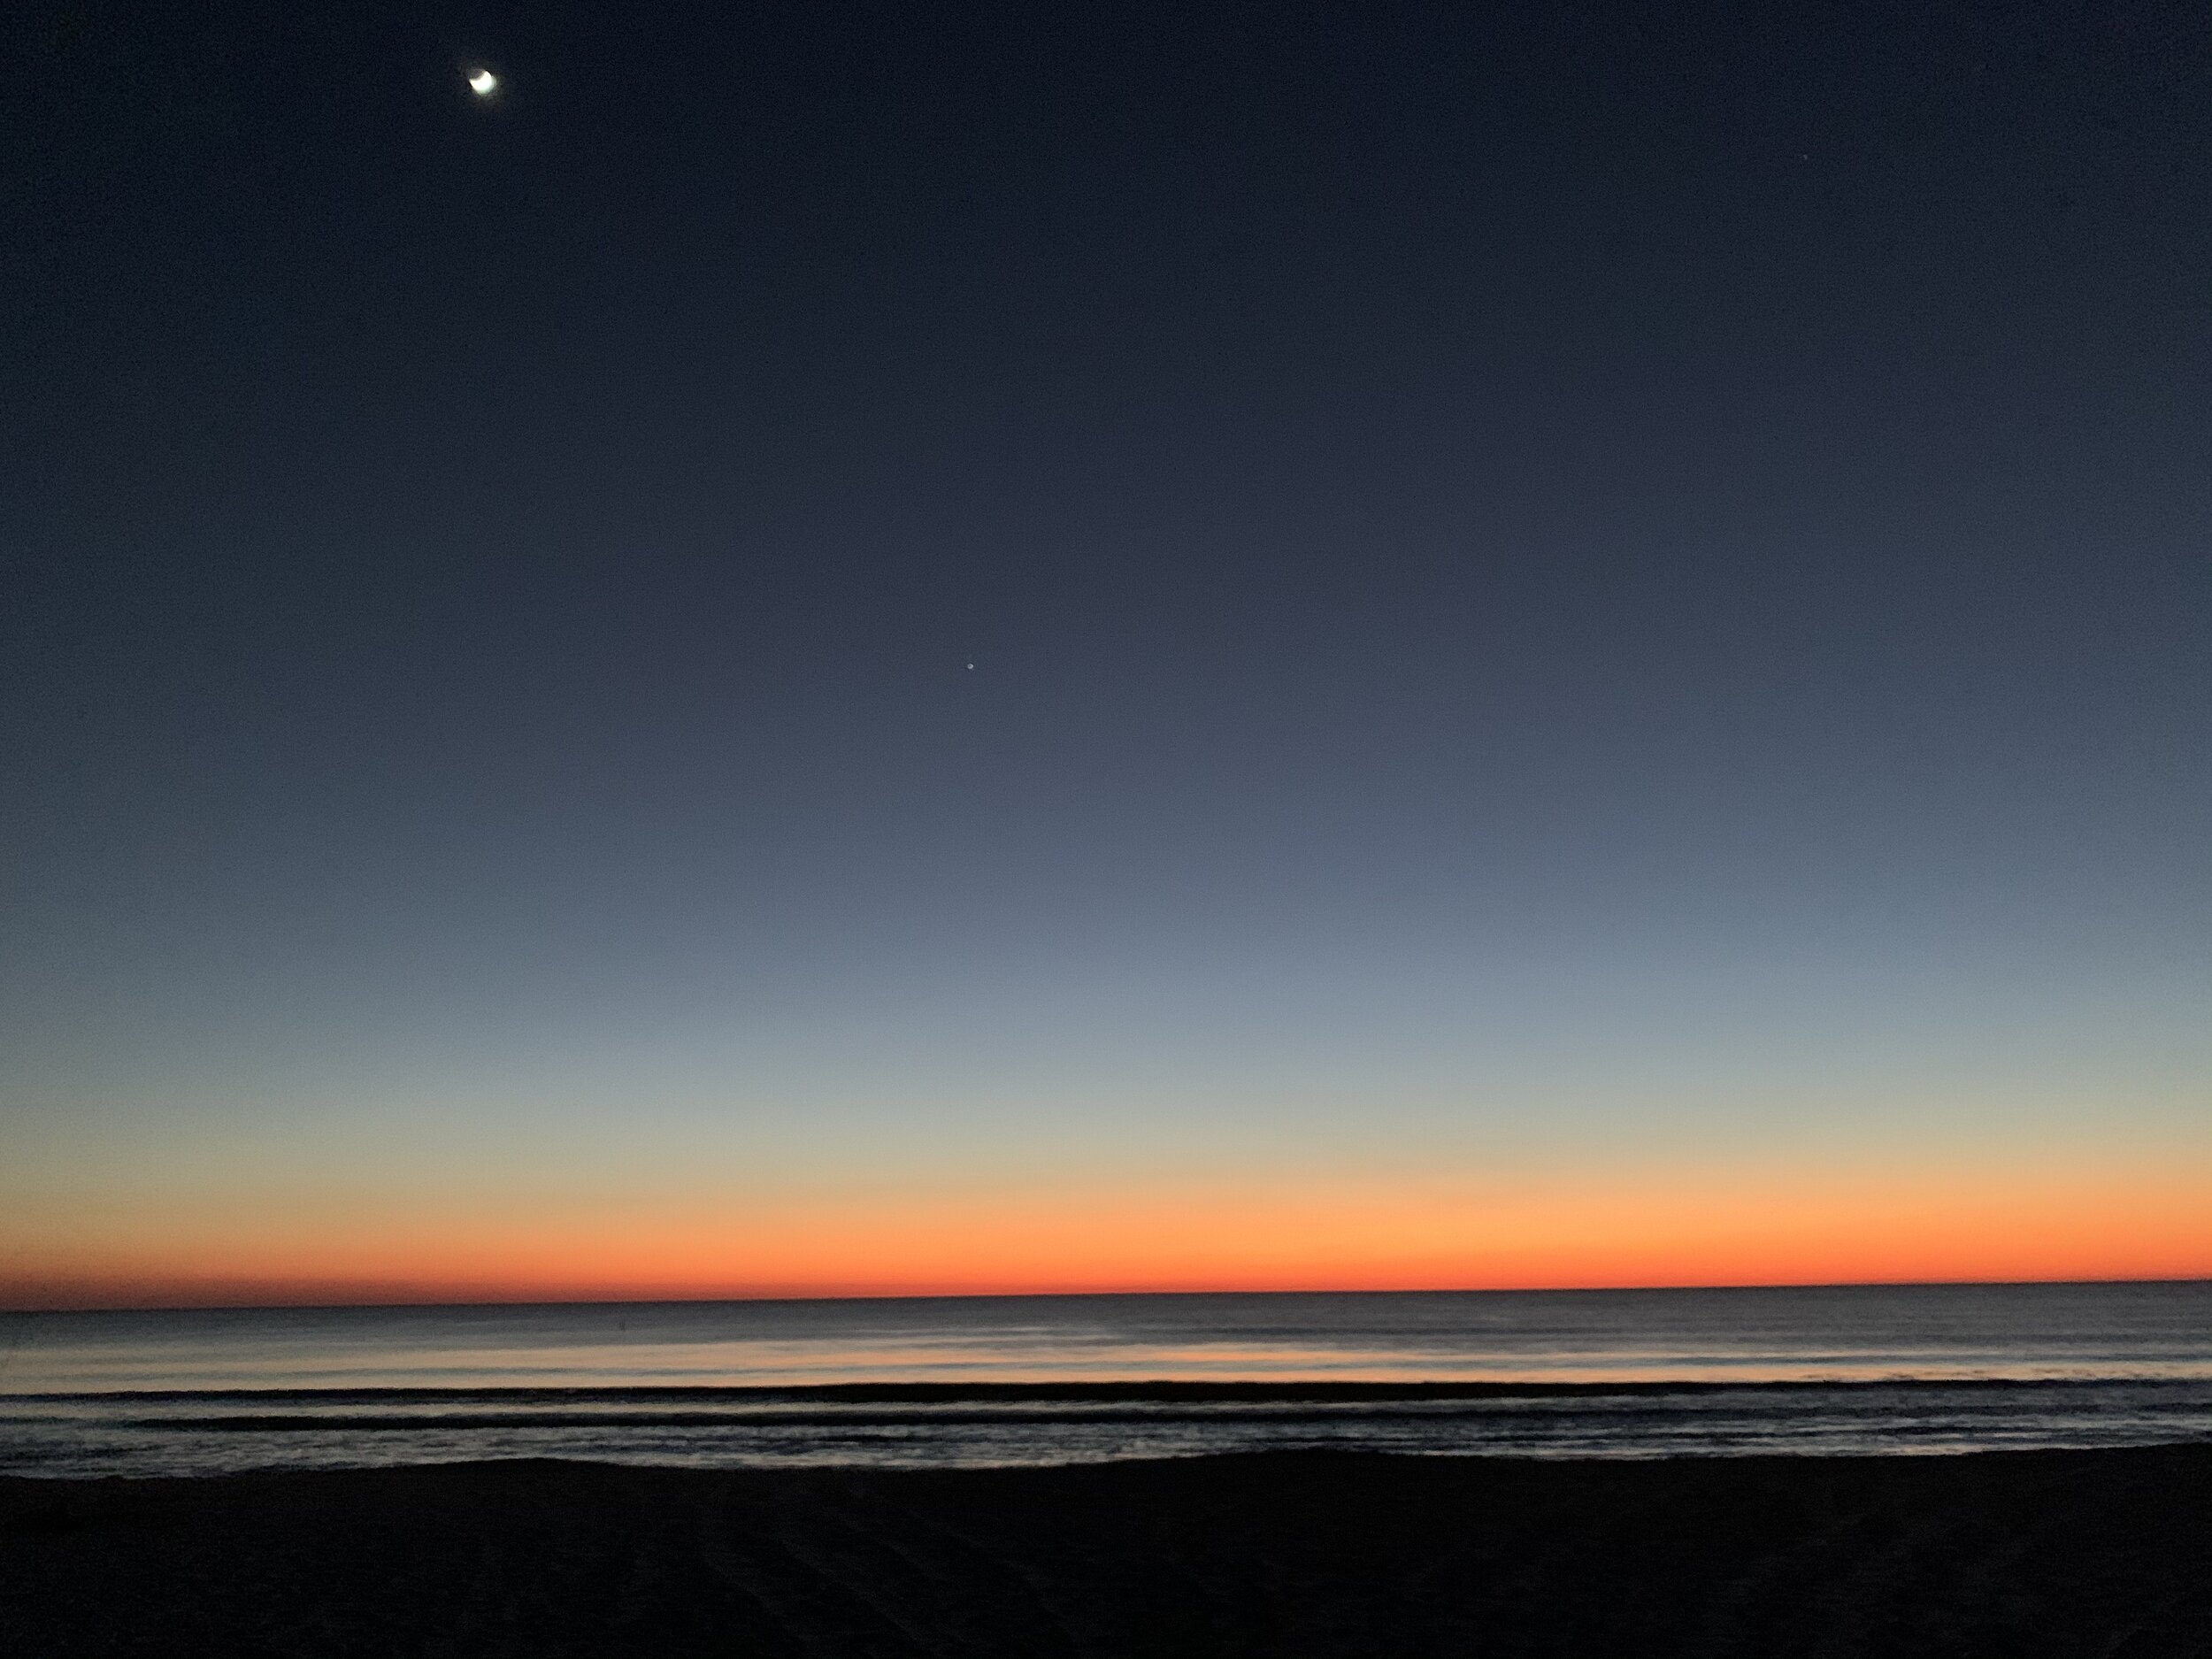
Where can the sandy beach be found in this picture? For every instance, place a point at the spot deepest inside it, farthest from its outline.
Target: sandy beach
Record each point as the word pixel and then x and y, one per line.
pixel 2007 1555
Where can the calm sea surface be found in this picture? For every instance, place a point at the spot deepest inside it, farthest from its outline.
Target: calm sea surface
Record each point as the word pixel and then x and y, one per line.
pixel 973 1382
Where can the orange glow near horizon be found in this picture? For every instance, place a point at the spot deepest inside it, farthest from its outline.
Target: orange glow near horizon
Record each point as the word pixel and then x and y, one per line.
pixel 1437 1234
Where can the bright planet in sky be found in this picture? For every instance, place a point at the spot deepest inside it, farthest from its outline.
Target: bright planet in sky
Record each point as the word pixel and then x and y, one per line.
pixel 482 82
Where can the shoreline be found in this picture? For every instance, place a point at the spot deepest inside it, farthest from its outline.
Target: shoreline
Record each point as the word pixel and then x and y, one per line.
pixel 149 1433
pixel 1279 1553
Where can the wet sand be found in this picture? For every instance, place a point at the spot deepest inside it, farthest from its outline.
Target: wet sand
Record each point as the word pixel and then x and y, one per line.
pixel 2007 1555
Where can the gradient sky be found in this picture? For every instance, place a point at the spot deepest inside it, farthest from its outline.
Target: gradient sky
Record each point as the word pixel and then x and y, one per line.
pixel 872 648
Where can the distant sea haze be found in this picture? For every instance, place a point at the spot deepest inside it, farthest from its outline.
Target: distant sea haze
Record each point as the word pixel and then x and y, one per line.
pixel 1061 1378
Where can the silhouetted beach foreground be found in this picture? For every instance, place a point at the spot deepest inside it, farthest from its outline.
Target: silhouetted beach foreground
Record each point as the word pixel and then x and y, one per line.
pixel 2104 1553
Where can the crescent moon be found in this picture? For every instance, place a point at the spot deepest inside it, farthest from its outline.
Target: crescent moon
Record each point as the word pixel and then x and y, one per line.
pixel 482 82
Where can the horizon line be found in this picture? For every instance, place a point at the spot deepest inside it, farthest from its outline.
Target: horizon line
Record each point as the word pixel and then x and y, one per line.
pixel 495 1301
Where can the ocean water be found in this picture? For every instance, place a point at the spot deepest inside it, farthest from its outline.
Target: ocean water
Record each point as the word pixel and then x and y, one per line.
pixel 997 1380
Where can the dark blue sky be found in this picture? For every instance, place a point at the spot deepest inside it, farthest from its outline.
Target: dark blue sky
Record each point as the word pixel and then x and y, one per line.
pixel 1640 571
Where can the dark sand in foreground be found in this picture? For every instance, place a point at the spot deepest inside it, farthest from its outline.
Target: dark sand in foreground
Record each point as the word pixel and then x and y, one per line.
pixel 2011 1556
